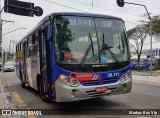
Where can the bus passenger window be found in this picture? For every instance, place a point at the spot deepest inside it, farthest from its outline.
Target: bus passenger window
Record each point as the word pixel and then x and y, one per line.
pixel 30 41
pixel 33 39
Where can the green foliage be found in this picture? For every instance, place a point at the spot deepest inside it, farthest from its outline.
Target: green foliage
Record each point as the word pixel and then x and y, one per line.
pixel 6 56
pixel 138 35
pixel 156 25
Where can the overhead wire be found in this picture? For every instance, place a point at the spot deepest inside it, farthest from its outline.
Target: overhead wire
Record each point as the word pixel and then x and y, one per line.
pixel 100 6
pixel 4 42
pixel 86 3
pixel 7 26
pixel 64 5
pixel 73 7
pixel 11 34
pixel 89 4
pixel 102 3
pixel 4 45
pixel 15 33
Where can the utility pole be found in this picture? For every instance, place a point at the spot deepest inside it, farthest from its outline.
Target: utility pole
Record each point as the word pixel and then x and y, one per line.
pixel 92 3
pixel 121 4
pixel 1 23
pixel 10 44
pixel 0 35
pixel 14 42
pixel 13 49
pixel 10 47
pixel 6 56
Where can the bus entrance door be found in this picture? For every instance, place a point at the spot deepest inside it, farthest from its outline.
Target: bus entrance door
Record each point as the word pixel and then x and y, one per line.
pixel 44 65
pixel 24 61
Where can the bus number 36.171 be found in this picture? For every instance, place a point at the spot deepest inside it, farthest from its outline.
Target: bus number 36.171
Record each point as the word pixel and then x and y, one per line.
pixel 113 74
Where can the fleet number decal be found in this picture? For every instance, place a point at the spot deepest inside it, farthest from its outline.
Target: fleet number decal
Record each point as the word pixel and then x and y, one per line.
pixel 116 74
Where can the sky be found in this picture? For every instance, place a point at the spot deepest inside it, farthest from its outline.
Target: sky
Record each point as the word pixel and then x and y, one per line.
pixel 131 14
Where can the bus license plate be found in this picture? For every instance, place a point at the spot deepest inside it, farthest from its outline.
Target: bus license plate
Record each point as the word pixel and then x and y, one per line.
pixel 102 89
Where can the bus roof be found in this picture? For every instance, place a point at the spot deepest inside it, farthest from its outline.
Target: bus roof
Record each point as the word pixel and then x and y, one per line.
pixel 68 14
pixel 84 14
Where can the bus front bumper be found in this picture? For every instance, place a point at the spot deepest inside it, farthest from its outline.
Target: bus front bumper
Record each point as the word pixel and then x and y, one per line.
pixel 65 93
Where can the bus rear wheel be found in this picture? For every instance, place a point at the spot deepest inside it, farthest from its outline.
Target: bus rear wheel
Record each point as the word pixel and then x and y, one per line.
pixel 22 83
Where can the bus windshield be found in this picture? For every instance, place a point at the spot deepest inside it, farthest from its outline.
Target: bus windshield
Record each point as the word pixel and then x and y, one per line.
pixel 90 40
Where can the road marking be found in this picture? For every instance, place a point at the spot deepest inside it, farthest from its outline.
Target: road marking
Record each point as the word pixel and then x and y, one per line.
pixel 31 117
pixel 15 95
pixel 1 95
pixel 21 103
pixel 18 99
pixel 9 85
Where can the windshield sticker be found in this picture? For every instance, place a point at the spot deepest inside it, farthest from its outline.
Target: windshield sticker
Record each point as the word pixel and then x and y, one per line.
pixel 67 55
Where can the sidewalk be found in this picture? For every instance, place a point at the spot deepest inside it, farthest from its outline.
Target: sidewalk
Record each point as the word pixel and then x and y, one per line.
pixel 146 73
pixel 1 93
pixel 154 80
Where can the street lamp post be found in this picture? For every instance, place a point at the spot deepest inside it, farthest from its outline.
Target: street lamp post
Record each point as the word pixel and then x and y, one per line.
pixel 1 23
pixel 121 4
pixel 13 31
pixel 12 40
pixel 0 34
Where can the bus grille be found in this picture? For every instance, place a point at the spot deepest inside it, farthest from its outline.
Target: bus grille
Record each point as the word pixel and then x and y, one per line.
pixel 99 82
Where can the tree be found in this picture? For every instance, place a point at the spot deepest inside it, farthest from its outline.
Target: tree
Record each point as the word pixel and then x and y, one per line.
pixel 156 27
pixel 138 34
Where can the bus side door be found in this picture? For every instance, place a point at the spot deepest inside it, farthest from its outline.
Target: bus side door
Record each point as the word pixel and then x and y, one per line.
pixel 24 61
pixel 44 77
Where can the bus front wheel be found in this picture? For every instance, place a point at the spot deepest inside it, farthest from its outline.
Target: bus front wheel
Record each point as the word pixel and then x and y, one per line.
pixel 40 90
pixel 45 99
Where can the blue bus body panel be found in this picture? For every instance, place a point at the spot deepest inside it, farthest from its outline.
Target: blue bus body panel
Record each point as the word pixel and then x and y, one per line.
pixel 98 78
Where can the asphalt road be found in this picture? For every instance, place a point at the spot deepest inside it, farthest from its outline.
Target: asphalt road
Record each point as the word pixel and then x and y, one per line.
pixel 143 96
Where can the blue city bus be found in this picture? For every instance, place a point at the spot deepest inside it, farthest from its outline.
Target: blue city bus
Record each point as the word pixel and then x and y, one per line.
pixel 75 56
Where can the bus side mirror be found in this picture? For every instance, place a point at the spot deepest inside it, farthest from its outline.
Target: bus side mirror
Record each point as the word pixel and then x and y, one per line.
pixel 50 32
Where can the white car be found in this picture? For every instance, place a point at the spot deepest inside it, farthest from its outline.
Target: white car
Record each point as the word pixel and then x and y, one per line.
pixel 8 67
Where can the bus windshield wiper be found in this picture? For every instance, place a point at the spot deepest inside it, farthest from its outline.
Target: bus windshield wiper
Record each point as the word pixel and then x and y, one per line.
pixel 88 49
pixel 105 46
pixel 97 40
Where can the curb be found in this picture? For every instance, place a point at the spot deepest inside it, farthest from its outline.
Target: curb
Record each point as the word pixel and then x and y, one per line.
pixel 157 74
pixel 1 93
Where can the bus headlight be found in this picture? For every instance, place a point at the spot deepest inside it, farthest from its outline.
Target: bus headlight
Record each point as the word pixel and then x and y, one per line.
pixel 69 81
pixel 125 76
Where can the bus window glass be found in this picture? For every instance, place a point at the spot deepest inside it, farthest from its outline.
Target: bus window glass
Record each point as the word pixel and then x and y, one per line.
pixel 33 39
pixel 35 51
pixel 76 34
pixel 30 41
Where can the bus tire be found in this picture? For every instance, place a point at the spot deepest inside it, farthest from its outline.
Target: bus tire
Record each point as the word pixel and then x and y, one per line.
pixel 44 97
pixel 22 83
pixel 38 84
